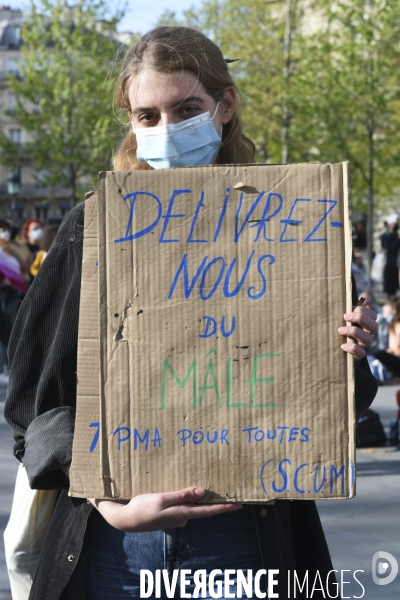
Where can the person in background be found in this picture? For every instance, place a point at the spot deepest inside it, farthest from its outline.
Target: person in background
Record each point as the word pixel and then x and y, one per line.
pixel 12 290
pixel 384 316
pixel 390 241
pixel 21 252
pixel 359 236
pixel 391 357
pixel 44 242
pixel 390 310
pixel 394 337
pixel 380 353
pixel 32 231
pixel 363 284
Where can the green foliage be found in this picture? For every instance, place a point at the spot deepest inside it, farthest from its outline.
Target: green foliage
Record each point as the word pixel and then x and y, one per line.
pixel 318 80
pixel 64 92
pixel 332 83
pixel 252 32
pixel 168 17
pixel 346 94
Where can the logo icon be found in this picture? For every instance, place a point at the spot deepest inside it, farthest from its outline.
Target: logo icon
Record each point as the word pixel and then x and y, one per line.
pixel 380 566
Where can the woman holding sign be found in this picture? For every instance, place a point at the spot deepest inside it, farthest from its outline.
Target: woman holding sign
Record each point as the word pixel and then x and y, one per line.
pixel 182 107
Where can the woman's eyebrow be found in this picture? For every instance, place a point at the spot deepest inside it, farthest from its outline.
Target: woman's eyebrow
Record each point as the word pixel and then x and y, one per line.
pixel 187 99
pixel 140 109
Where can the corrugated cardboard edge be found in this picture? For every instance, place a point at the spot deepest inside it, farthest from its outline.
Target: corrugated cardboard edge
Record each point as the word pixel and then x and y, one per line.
pixel 87 406
pixel 107 483
pixel 348 245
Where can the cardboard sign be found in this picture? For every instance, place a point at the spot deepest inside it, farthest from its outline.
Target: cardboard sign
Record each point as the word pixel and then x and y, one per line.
pixel 221 290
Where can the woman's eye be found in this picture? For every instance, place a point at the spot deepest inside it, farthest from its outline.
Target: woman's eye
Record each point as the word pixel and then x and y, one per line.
pixel 189 110
pixel 146 117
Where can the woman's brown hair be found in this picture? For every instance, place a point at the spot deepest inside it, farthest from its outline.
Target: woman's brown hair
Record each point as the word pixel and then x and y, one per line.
pixel 169 49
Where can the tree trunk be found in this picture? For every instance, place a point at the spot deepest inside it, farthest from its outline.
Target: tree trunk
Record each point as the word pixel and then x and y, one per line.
pixel 286 79
pixel 371 130
pixel 370 218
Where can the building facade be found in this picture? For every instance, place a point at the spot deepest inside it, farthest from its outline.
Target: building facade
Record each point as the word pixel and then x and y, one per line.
pixel 21 196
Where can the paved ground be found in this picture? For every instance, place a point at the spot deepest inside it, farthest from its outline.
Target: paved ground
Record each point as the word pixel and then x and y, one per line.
pixel 355 529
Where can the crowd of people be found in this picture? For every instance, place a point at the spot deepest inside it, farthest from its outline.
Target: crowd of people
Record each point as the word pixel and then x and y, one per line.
pixel 390 241
pixel 23 248
pixel 384 353
pixel 385 268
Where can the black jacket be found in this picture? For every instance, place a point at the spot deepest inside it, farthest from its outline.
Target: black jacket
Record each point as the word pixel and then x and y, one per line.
pixel 40 408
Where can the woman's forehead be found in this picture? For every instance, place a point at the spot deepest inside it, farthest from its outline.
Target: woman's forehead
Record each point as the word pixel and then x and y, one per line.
pixel 152 89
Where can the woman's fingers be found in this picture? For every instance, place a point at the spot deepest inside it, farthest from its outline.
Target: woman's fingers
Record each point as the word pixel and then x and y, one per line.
pixel 363 326
pixel 178 515
pixel 354 349
pixel 364 317
pixel 191 494
pixel 149 512
pixel 181 503
pixel 360 336
pixel 200 511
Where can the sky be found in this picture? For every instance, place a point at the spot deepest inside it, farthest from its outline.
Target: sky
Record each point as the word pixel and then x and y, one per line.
pixel 141 15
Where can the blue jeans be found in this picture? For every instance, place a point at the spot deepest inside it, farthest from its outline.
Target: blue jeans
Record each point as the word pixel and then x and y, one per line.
pixel 227 541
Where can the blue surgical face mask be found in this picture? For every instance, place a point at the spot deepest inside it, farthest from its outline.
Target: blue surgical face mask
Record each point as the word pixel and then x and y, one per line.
pixel 37 234
pixel 189 143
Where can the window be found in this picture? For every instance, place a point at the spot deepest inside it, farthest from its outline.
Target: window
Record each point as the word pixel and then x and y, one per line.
pixel 15 135
pixel 41 211
pixel 18 211
pixel 14 181
pixel 12 66
pixel 64 208
pixel 14 35
pixel 11 102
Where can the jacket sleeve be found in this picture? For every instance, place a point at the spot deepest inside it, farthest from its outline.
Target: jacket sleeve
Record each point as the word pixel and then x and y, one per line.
pixel 41 398
pixel 390 361
pixel 366 385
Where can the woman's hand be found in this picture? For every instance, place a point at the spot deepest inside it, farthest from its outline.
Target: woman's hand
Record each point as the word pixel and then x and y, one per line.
pixel 363 326
pixel 149 512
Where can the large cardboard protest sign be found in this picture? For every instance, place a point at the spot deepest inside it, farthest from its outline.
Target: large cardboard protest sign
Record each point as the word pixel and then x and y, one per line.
pixel 221 290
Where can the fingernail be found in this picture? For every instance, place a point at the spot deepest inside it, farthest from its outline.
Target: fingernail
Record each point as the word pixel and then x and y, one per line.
pixel 199 491
pixel 347 316
pixel 344 346
pixel 342 329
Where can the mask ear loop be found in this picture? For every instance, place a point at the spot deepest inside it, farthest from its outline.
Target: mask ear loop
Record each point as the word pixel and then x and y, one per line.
pixel 215 111
pixel 212 119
